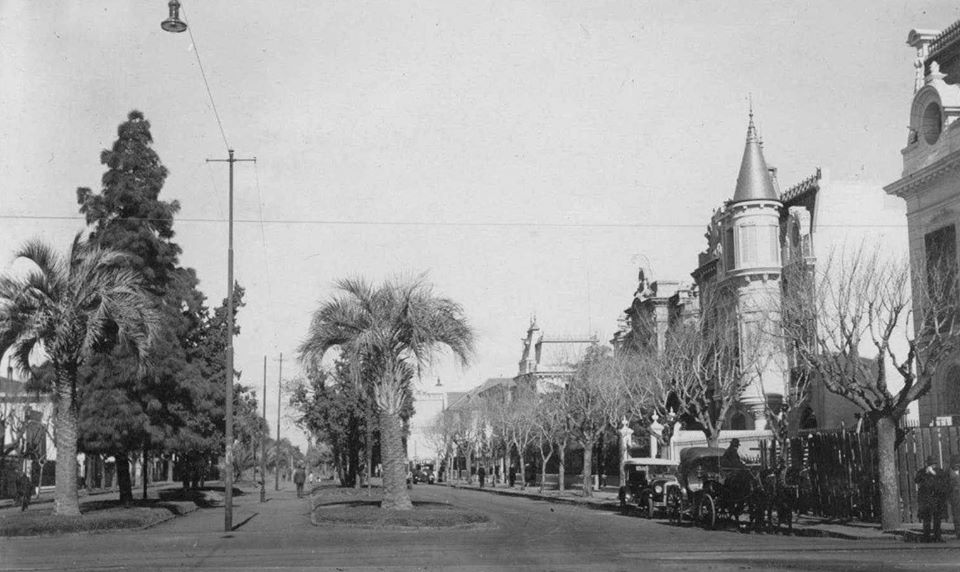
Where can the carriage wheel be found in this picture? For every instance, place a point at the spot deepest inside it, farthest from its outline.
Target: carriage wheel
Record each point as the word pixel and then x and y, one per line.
pixel 707 511
pixel 674 514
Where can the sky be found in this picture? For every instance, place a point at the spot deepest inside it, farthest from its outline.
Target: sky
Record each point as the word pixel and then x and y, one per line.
pixel 528 156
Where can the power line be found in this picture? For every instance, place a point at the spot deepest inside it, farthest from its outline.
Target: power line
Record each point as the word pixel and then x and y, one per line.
pixel 453 224
pixel 203 74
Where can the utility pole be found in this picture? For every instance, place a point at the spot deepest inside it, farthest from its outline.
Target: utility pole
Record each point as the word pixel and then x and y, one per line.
pixel 263 438
pixel 276 483
pixel 228 415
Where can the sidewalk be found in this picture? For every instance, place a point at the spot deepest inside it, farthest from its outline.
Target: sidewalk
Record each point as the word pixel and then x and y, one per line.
pixel 804 525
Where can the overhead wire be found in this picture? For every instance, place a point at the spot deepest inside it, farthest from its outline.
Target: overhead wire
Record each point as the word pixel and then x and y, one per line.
pixel 206 83
pixel 454 224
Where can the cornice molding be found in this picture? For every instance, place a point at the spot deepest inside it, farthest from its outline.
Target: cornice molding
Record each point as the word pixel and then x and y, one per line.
pixel 911 182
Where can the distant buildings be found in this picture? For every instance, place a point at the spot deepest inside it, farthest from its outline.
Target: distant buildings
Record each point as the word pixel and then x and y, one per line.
pixel 930 185
pixel 27 434
pixel 548 361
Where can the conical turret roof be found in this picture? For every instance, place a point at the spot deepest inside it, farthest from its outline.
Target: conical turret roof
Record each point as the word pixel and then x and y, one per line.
pixel 754 182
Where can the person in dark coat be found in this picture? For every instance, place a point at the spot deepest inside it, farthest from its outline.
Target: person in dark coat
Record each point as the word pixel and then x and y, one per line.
pixel 512 476
pixel 954 476
pixel 932 482
pixel 299 477
pixel 731 457
pixel 24 491
pixel 481 474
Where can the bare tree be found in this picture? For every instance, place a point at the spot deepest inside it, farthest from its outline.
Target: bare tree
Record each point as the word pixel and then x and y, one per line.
pixel 522 422
pixel 706 367
pixel 550 433
pixel 845 324
pixel 440 436
pixel 467 434
pixel 592 402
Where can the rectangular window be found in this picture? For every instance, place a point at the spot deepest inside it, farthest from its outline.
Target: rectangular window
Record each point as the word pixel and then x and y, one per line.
pixel 748 245
pixel 940 248
pixel 773 237
pixel 728 255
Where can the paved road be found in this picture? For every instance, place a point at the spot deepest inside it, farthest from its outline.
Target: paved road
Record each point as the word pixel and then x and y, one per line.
pixel 525 535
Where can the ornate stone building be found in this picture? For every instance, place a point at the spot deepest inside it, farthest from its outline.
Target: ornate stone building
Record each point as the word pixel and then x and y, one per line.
pixel 740 273
pixel 930 184
pixel 751 239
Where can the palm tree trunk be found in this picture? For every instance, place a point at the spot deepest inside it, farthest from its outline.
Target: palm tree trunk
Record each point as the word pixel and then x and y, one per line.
pixel 66 501
pixel 395 495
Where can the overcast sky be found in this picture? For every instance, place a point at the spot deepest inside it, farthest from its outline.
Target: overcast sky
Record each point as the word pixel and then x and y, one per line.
pixel 528 155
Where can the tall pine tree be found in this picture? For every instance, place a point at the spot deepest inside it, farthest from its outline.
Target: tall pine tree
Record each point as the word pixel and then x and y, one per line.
pixel 125 413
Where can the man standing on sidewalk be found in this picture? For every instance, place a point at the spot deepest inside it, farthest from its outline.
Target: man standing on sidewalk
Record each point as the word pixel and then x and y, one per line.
pixel 299 476
pixel 954 475
pixel 481 474
pixel 931 488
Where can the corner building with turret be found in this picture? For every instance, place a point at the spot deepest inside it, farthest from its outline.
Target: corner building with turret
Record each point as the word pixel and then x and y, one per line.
pixel 739 274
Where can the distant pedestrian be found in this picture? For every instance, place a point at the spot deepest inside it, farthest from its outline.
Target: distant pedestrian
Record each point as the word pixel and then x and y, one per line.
pixel 954 474
pixel 299 476
pixel 932 483
pixel 512 476
pixel 481 474
pixel 24 491
pixel 310 478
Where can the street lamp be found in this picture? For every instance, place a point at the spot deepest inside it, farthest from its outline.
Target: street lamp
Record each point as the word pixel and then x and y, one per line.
pixel 174 23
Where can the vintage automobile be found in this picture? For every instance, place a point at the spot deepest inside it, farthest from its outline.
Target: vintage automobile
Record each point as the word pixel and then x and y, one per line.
pixel 647 483
pixel 424 473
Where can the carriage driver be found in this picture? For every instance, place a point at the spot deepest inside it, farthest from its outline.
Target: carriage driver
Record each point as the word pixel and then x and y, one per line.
pixel 731 457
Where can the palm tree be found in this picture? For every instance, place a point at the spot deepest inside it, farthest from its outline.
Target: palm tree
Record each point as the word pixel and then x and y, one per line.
pixel 391 330
pixel 69 307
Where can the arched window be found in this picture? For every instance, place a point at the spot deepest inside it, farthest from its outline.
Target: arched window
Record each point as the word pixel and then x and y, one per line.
pixel 738 422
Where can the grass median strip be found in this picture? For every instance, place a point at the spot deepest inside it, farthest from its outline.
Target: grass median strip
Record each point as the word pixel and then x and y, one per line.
pixel 348 507
pixel 96 516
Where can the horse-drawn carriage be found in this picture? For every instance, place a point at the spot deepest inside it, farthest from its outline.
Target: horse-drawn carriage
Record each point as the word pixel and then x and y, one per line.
pixel 714 486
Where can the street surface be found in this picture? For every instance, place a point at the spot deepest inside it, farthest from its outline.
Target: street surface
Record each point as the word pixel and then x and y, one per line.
pixel 525 534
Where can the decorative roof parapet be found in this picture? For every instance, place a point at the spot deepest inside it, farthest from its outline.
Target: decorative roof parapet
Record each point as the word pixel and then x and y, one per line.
pixel 808 185
pixel 945 39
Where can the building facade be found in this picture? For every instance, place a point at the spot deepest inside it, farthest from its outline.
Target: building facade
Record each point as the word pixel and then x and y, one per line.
pixel 930 187
pixel 752 240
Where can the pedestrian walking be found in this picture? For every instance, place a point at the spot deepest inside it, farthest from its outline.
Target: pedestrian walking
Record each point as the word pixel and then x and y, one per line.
pixel 932 486
pixel 481 474
pixel 24 491
pixel 310 478
pixel 512 476
pixel 299 476
pixel 954 475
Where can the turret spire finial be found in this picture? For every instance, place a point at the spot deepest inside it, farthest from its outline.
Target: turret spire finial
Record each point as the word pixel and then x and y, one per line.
pixel 751 126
